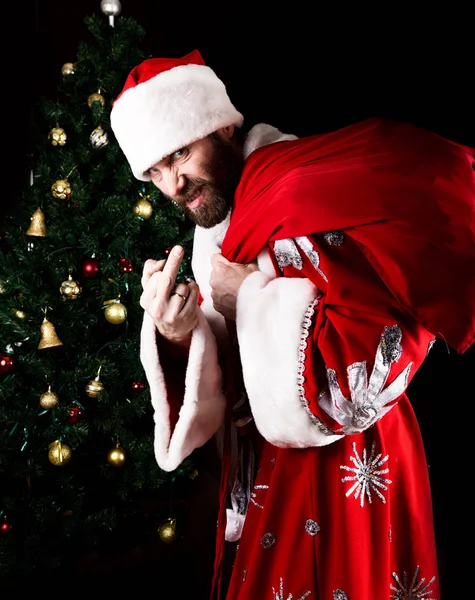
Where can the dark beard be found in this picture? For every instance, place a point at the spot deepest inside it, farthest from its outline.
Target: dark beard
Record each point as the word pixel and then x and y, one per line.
pixel 223 173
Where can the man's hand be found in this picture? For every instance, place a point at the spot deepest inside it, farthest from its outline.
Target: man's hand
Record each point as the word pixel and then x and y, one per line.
pixel 174 308
pixel 225 281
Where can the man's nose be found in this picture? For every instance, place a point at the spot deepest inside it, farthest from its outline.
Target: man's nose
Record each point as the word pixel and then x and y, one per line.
pixel 174 183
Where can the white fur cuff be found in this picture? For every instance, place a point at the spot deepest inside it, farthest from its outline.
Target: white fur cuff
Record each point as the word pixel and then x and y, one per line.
pixel 273 320
pixel 203 408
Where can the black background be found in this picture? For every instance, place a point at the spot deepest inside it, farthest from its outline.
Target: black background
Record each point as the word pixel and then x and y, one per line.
pixel 305 69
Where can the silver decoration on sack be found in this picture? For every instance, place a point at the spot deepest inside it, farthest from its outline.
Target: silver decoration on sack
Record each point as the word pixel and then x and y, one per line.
pixel 430 346
pixel 391 348
pixel 111 8
pixel 306 324
pixel 311 253
pixel 334 238
pixel 287 254
pixel 367 475
pixel 281 596
pixel 244 575
pixel 268 540
pixel 339 595
pixel 312 527
pixel 369 399
pixel 411 590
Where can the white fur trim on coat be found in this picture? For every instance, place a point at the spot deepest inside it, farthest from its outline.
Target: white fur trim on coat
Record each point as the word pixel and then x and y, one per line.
pixel 270 323
pixel 170 111
pixel 203 408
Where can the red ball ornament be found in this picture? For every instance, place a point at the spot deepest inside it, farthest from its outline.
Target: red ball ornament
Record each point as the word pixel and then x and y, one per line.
pixel 125 265
pixel 138 386
pixel 7 364
pixel 5 527
pixel 75 414
pixel 90 267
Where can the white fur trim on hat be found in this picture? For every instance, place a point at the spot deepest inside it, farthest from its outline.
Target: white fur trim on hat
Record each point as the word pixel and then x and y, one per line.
pixel 170 111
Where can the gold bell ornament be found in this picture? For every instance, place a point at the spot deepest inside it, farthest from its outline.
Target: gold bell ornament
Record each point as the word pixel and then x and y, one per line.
pixel 70 289
pixel 59 454
pixel 143 208
pixel 116 456
pixel 57 136
pixel 94 387
pixel 49 337
pixel 49 399
pixel 38 225
pixel 115 312
pixel 167 531
pixel 67 69
pixel 61 189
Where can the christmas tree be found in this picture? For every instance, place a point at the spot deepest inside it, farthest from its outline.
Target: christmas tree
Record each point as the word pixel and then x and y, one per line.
pixel 77 464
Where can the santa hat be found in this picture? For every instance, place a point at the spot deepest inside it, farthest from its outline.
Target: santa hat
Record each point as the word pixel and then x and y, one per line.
pixel 168 103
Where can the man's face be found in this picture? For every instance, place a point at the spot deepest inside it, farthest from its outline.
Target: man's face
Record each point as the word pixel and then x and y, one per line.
pixel 201 179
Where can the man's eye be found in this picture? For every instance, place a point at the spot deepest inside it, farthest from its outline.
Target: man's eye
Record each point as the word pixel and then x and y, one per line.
pixel 179 153
pixel 155 173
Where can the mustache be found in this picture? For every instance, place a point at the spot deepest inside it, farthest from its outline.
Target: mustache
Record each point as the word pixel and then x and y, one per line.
pixel 192 187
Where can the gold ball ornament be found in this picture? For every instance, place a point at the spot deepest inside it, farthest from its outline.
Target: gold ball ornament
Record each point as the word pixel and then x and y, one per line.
pixel 115 313
pixel 116 456
pixel 59 454
pixel 70 289
pixel 143 209
pixel 95 97
pixel 94 387
pixel 19 314
pixel 61 189
pixel 167 531
pixel 99 138
pixel 67 69
pixel 49 399
pixel 57 136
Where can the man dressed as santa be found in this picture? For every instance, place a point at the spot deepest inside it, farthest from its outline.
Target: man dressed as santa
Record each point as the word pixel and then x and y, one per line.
pixel 325 268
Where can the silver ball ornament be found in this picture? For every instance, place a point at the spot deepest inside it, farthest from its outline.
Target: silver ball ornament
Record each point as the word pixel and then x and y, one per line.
pixel 99 138
pixel 111 8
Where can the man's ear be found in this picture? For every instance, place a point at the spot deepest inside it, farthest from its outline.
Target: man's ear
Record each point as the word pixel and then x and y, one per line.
pixel 227 132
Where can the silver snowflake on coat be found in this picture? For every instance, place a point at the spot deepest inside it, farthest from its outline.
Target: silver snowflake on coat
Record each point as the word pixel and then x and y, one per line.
pixel 312 527
pixel 280 594
pixel 367 475
pixel 413 590
pixel 369 399
pixel 268 540
pixel 254 495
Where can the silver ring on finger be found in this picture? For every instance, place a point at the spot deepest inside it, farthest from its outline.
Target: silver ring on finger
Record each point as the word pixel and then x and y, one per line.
pixel 181 296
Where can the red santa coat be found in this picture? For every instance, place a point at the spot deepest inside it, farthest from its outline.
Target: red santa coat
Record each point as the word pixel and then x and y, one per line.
pixel 340 507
